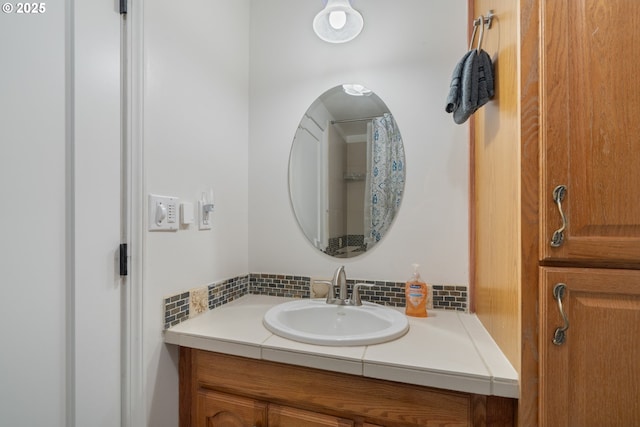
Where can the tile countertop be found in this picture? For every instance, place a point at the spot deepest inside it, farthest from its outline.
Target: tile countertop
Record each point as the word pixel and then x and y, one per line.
pixel 448 349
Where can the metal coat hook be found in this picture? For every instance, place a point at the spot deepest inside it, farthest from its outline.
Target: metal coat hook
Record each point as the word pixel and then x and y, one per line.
pixel 487 19
pixel 481 21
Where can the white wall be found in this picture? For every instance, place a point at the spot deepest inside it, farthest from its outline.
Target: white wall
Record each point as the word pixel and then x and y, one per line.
pixel 225 86
pixel 406 54
pixel 32 247
pixel 196 62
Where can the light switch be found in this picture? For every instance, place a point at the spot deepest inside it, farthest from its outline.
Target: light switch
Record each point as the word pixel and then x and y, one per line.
pixel 163 213
pixel 186 213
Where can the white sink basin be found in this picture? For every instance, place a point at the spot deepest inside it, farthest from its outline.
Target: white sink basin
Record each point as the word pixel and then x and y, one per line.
pixel 314 321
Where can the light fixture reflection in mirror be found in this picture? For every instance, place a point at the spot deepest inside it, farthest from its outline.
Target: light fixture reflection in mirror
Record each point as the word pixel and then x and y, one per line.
pixel 346 171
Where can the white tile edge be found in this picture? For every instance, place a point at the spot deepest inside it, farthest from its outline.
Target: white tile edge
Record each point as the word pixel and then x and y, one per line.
pixel 214 345
pixel 504 377
pixel 326 363
pixel 505 388
pixel 467 384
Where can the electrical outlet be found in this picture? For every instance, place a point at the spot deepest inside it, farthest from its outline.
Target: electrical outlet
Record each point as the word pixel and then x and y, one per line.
pixel 204 218
pixel 206 206
pixel 198 301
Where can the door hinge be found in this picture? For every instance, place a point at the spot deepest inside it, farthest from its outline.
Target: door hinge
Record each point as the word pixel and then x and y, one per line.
pixel 123 7
pixel 124 260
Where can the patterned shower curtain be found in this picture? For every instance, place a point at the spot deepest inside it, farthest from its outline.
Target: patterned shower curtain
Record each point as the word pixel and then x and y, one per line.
pixel 385 180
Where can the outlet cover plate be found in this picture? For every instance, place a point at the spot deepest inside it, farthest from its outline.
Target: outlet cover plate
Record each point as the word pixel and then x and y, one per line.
pixel 203 222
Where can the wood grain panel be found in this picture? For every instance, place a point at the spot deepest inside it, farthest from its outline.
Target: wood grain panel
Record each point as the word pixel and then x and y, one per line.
pixel 338 396
pixel 528 72
pixel 496 264
pixel 592 379
pixel 591 129
pixel 577 125
pixel 504 204
pixel 222 410
pixel 332 393
pixel 186 393
pixel 284 416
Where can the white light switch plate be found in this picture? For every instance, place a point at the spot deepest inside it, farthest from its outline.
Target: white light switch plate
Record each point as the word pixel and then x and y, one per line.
pixel 163 213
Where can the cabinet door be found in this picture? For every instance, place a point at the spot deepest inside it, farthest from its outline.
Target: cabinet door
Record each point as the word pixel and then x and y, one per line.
pixel 593 378
pixel 590 129
pixel 216 409
pixel 283 416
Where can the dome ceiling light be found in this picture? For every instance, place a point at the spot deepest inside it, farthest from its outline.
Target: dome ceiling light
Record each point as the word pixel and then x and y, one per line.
pixel 338 22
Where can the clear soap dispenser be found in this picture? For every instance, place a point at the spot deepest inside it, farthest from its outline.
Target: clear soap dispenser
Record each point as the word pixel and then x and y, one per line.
pixel 416 293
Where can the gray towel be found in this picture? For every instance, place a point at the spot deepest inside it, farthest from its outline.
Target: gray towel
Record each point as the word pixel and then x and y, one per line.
pixel 472 85
pixel 485 79
pixel 455 89
pixel 469 91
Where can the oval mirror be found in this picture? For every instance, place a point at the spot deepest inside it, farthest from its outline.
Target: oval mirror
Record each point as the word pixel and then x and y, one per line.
pixel 346 171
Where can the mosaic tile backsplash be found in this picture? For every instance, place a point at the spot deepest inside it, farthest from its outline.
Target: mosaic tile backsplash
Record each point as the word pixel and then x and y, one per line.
pixel 176 307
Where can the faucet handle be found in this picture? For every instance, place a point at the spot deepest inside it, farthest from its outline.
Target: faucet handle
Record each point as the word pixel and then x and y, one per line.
pixel 355 296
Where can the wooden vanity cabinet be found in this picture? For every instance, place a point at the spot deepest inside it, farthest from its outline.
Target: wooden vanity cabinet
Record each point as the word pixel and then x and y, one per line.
pixel 219 390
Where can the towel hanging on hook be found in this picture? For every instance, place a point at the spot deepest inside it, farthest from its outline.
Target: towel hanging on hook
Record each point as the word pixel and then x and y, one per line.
pixel 472 82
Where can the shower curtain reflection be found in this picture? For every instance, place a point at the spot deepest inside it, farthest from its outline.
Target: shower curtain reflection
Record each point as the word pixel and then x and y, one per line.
pixel 385 176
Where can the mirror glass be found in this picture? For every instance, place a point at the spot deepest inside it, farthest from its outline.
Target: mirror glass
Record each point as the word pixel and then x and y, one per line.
pixel 346 171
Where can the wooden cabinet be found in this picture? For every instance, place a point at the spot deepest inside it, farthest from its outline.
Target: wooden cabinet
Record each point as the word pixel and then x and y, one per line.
pixel 590 129
pixel 215 409
pixel 589 138
pixel 593 378
pixel 565 113
pixel 284 416
pixel 227 391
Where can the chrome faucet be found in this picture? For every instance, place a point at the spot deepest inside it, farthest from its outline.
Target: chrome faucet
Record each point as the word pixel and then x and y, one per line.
pixel 340 281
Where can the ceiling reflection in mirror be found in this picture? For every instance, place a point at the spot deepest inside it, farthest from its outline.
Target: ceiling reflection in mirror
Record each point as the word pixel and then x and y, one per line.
pixel 346 171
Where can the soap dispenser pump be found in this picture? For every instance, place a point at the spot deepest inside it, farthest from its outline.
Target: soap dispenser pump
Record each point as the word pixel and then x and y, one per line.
pixel 416 293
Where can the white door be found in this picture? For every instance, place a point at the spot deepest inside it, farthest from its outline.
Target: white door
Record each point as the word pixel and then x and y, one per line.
pixel 60 143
